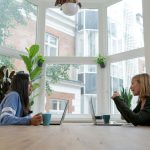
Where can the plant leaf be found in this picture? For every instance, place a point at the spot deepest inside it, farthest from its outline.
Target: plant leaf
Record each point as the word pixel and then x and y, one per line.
pixel 27 62
pixel 34 49
pixel 35 86
pixel 35 73
pixel 11 74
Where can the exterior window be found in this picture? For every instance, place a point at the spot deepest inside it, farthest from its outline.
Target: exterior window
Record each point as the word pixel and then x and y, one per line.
pixel 87 39
pixel 125 26
pixel 121 74
pixel 77 35
pixel 71 85
pixel 51 45
pixel 80 21
pixel 89 15
pixel 56 106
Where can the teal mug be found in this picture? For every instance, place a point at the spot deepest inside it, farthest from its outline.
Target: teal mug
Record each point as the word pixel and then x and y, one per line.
pixel 46 119
pixel 106 118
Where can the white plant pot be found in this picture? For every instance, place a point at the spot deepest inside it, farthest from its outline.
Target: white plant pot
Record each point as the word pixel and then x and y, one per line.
pixel 70 9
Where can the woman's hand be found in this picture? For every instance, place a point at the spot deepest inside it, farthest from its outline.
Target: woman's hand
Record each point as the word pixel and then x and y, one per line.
pixel 36 119
pixel 115 94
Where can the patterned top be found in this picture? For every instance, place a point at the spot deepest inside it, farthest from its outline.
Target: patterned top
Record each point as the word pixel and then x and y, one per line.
pixel 11 111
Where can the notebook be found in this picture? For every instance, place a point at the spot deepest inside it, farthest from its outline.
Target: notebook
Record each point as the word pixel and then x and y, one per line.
pixel 59 122
pixel 97 120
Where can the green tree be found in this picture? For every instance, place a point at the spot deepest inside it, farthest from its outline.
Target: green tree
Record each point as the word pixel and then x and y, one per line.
pixel 56 73
pixel 13 12
pixel 6 61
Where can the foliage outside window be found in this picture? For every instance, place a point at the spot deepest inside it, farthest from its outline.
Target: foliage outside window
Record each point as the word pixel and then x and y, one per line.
pixel 17 15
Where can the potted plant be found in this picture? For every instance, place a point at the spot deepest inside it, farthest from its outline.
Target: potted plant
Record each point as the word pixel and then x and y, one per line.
pixel 101 60
pixel 33 61
pixel 126 97
pixel 5 80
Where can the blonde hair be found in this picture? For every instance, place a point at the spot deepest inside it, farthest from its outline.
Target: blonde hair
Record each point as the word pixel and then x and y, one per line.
pixel 144 82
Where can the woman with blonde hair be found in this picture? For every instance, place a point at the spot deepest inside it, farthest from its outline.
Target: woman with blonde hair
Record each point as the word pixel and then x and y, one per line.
pixel 140 86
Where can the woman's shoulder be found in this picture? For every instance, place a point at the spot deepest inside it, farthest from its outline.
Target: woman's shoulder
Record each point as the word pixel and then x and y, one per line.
pixel 12 94
pixel 11 98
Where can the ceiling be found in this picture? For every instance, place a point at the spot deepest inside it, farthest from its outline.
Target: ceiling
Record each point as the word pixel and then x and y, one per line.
pixel 85 3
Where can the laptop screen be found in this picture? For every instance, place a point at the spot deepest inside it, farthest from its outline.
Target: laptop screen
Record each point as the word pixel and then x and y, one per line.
pixel 64 113
pixel 92 110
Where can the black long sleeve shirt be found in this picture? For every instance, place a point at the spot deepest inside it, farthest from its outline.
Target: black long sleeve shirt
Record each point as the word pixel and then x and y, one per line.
pixel 138 116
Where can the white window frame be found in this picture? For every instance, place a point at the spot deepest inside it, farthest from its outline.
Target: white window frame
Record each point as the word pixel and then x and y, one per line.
pixel 103 92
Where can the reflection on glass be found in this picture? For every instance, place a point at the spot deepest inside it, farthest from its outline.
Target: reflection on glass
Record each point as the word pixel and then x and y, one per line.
pixel 72 36
pixel 125 26
pixel 75 83
pixel 17 24
pixel 121 74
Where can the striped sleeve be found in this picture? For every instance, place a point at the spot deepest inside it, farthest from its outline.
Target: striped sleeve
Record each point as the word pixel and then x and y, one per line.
pixel 11 110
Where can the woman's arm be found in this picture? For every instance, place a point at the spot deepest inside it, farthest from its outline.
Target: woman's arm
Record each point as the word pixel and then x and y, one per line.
pixel 140 118
pixel 11 109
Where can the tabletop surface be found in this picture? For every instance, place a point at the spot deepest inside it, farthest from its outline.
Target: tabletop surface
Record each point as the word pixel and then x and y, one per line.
pixel 74 137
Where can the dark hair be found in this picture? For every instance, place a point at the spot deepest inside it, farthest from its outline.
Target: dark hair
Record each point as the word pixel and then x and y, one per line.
pixel 20 84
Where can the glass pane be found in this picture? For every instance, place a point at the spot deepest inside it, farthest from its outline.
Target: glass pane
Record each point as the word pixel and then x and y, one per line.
pixel 89 15
pixel 78 35
pixel 125 26
pixel 51 45
pixel 17 24
pixel 12 63
pixel 75 83
pixel 121 75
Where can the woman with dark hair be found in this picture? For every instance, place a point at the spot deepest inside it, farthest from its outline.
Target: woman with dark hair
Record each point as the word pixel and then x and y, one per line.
pixel 140 86
pixel 14 108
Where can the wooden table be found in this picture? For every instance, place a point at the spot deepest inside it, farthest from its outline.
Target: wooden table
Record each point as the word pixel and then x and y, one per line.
pixel 74 137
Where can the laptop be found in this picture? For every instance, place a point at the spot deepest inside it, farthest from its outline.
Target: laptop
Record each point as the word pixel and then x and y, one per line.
pixel 59 122
pixel 97 120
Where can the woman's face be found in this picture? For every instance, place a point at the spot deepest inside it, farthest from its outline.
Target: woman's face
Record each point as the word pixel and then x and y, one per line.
pixel 135 87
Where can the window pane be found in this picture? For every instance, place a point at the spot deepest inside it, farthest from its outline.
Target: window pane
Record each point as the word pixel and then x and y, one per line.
pixel 121 75
pixel 80 21
pixel 70 82
pixel 17 24
pixel 91 15
pixel 51 45
pixel 78 35
pixel 125 26
pixel 12 63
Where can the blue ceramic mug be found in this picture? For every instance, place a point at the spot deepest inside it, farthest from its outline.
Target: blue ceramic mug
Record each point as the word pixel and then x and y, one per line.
pixel 106 118
pixel 46 119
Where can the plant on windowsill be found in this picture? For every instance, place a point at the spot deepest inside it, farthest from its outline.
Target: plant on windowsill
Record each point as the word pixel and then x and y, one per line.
pixel 101 60
pixel 126 97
